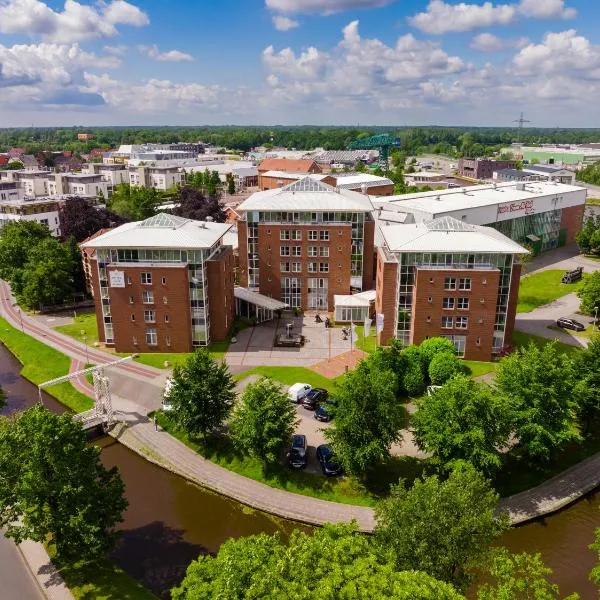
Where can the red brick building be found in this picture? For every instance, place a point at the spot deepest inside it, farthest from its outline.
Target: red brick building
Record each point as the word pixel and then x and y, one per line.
pixel 482 168
pixel 162 285
pixel 448 278
pixel 306 242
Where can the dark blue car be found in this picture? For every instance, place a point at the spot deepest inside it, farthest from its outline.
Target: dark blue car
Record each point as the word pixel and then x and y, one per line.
pixel 325 411
pixel 329 462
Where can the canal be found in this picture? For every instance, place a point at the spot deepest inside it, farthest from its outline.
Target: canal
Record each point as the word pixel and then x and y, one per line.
pixel 170 522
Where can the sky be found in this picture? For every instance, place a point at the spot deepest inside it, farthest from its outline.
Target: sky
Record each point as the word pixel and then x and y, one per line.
pixel 294 62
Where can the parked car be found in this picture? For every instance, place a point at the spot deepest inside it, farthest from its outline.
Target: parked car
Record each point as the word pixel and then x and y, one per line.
pixel 297 460
pixel 314 398
pixel 297 391
pixel 166 403
pixel 329 462
pixel 299 444
pixel 325 411
pixel 566 323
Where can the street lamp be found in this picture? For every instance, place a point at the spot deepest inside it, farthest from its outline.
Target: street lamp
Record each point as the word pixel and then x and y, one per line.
pixel 87 356
pixel 21 319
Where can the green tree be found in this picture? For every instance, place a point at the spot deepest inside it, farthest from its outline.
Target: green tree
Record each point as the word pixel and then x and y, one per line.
pixel 2 398
pixel 546 394
pixel 54 486
pixel 16 241
pixel 360 167
pixel 263 422
pixel 589 293
pixel 444 528
pixel 202 393
pixel 443 367
pixel 230 184
pixel 413 380
pixel 133 202
pixel 47 278
pixel 519 577
pixel 595 574
pixel 429 349
pixel 587 367
pixel 464 420
pixel 334 563
pixel 368 417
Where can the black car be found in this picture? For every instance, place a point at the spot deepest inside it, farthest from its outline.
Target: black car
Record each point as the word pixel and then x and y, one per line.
pixel 325 411
pixel 297 460
pixel 314 398
pixel 329 463
pixel 299 444
pixel 570 324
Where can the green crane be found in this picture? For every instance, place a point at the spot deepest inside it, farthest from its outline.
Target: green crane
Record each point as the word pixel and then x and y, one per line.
pixel 382 142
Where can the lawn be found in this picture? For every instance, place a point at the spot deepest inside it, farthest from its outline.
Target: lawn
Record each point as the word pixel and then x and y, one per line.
pixel 345 490
pixel 593 201
pixel 587 333
pixel 542 288
pixel 522 340
pixel 100 581
pixel 290 375
pixel 366 344
pixel 476 368
pixel 85 322
pixel 42 363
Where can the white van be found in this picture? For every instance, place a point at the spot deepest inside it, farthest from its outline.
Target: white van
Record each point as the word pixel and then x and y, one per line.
pixel 298 391
pixel 166 404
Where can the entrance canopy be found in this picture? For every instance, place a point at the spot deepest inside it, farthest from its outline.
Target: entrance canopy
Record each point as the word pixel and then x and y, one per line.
pixel 257 299
pixel 353 308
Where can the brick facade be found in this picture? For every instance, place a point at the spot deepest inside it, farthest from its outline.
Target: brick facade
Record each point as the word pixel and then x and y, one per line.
pixel 511 313
pixel 482 168
pixel 221 302
pixel 242 228
pixel 428 308
pixel 385 297
pixel 571 221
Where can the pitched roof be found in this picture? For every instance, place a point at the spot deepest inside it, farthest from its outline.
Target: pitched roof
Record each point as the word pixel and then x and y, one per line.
pixel 448 234
pixel 288 165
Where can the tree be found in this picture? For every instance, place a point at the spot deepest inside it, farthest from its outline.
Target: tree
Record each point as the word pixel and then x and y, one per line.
pixel 263 422
pixel 546 394
pixel 16 241
pixel 360 167
pixel 464 420
pixel 334 563
pixel 430 348
pixel 589 293
pixel 47 278
pixel 230 184
pixel 391 358
pixel 519 577
pixel 202 393
pixel 595 574
pixel 587 367
pixel 368 417
pixel 444 528
pixel 80 219
pixel 77 272
pixel 443 367
pixel 191 203
pixel 54 486
pixel 15 165
pixel 2 398
pixel 414 379
pixel 134 203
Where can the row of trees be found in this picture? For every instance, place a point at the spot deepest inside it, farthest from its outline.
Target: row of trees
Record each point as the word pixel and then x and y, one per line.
pixel 588 237
pixel 590 174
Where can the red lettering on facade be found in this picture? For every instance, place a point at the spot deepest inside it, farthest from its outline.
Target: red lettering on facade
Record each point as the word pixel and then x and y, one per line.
pixel 525 206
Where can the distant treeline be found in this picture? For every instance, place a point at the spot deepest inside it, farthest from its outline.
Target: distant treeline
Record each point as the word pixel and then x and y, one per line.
pixel 453 141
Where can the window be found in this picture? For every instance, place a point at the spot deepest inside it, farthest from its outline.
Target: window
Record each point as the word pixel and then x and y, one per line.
pixel 148 297
pixel 312 267
pixel 448 303
pixel 129 281
pixel 447 322
pixel 324 236
pixel 132 317
pixel 130 299
pixel 284 234
pixel 284 251
pixel 324 251
pixel 460 342
pixel 312 250
pixel 165 300
pixel 463 304
pixel 151 337
pixel 464 283
pixel 149 316
pixel 297 251
pixel 296 234
pixel 478 341
pixel 430 299
pixel 166 318
pixel 296 267
pixel 450 283
pixel 164 281
pixel 284 267
pixel 168 340
pixel 313 235
pixel 146 278
pixel 324 267
pixel 462 322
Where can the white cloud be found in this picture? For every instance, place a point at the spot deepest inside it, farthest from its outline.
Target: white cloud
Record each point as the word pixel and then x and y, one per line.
pixel 546 9
pixel 325 7
pixel 76 22
pixel 119 50
pixel 487 42
pixel 170 56
pixel 440 18
pixel 284 23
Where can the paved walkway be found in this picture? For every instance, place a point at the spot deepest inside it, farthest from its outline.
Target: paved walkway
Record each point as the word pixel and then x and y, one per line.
pixel 340 364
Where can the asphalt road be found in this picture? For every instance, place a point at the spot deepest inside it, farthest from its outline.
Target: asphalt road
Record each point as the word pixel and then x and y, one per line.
pixel 16 580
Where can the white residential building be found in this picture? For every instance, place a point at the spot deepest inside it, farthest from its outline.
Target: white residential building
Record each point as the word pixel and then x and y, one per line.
pixel 44 211
pixel 78 184
pixel 157 177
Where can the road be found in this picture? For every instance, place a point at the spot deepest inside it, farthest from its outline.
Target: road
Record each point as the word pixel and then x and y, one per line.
pixel 16 580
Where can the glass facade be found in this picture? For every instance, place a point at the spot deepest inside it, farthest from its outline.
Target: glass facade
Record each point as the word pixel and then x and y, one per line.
pixel 545 226
pixel 408 262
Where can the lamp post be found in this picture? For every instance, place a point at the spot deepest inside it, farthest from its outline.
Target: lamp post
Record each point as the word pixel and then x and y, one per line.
pixel 595 318
pixel 21 319
pixel 87 356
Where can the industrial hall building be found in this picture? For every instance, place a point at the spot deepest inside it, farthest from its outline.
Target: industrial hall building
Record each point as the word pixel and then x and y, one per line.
pixel 162 285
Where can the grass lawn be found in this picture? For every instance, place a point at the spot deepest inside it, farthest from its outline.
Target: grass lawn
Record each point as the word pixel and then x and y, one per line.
pixel 366 344
pixel 542 288
pixel 42 363
pixel 593 201
pixel 290 375
pixel 345 490
pixel 100 581
pixel 522 340
pixel 478 368
pixel 587 333
pixel 85 322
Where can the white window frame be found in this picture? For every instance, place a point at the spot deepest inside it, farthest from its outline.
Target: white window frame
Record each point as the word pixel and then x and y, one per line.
pixel 313 235
pixel 146 278
pixel 450 283
pixel 296 267
pixel 324 235
pixel 284 235
pixel 147 297
pixel 151 336
pixel 324 251
pixel 465 302
pixel 313 251
pixel 450 301
pixel 284 251
pixel 284 267
pixel 461 322
pixel 465 284
pixel 149 316
pixel 297 234
pixel 312 267
pixel 323 267
pixel 296 250
pixel 447 322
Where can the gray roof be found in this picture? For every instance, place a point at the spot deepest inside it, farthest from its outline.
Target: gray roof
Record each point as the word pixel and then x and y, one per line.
pixel 162 231
pixel 546 169
pixel 514 174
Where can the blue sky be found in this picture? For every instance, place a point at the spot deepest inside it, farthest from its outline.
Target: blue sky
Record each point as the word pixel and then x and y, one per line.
pixel 397 62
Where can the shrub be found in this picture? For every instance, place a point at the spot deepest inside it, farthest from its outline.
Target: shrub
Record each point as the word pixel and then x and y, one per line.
pixel 443 367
